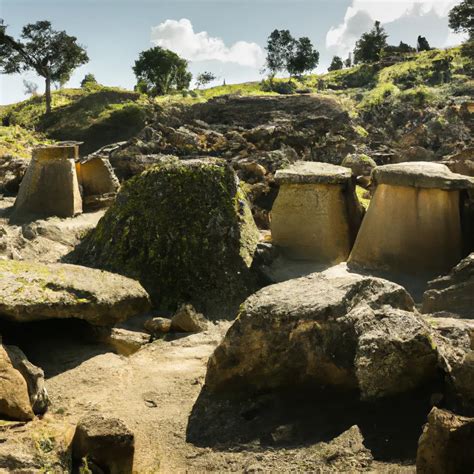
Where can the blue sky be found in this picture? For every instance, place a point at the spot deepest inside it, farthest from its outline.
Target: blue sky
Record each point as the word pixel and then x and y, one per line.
pixel 226 37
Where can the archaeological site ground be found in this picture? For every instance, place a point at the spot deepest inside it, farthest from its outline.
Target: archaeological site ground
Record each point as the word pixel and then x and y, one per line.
pixel 201 274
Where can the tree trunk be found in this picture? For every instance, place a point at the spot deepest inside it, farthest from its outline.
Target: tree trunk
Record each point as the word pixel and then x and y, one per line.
pixel 48 95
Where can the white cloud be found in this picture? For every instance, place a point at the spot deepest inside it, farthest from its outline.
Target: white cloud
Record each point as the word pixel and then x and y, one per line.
pixel 180 37
pixel 361 15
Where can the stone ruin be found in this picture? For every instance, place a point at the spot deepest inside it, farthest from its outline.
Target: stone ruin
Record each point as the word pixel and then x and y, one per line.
pixel 413 224
pixel 316 215
pixel 58 183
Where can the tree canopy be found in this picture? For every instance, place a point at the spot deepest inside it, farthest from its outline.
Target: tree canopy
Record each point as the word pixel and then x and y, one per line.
pixel 52 54
pixel 461 18
pixel 336 64
pixel 370 46
pixel 205 78
pixel 422 44
pixel 160 71
pixel 285 53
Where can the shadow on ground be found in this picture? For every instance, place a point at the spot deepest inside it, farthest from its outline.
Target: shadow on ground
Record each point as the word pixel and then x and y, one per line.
pixel 55 345
pixel 300 418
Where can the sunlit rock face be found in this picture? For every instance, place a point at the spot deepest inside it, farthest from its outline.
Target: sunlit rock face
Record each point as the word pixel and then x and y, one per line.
pixel 413 225
pixel 50 186
pixel 316 215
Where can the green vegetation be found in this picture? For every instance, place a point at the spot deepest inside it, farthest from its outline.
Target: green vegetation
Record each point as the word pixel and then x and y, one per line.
pixel 19 142
pixel 51 54
pixel 160 71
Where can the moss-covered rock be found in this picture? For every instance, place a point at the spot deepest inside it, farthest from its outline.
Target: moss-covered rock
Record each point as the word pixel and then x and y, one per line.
pixel 184 229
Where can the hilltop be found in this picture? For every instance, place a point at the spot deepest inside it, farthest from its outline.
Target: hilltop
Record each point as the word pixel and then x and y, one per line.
pixel 384 100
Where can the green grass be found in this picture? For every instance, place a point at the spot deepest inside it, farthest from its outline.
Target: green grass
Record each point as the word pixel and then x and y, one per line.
pixel 19 142
pixel 100 115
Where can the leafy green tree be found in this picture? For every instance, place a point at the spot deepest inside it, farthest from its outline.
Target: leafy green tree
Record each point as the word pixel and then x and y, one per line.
pixel 31 88
pixel 461 18
pixel 88 81
pixel 336 64
pixel 285 53
pixel 280 46
pixel 160 71
pixel 348 61
pixel 52 54
pixel 422 44
pixel 370 46
pixel 204 78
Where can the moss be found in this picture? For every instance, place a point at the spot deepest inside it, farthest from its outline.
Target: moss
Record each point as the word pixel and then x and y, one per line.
pixel 184 230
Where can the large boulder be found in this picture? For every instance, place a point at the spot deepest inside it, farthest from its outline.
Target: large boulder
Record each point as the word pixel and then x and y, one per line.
pixel 12 170
pixel 454 292
pixel 446 445
pixel 347 332
pixel 14 398
pixel 32 291
pixel 185 230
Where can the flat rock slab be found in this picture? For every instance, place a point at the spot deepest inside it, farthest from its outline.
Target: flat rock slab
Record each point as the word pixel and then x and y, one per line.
pixel 421 175
pixel 308 172
pixel 31 291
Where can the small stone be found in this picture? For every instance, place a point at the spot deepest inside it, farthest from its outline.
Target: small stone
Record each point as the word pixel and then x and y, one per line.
pixel 158 325
pixel 187 319
pixel 107 442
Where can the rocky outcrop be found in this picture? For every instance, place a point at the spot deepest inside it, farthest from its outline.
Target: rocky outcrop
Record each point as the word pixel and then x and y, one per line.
pixel 12 170
pixel 454 292
pixel 445 447
pixel 106 443
pixel 32 291
pixel 185 231
pixel 348 332
pixel 14 398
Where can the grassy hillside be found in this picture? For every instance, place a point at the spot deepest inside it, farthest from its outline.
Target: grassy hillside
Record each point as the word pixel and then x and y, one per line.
pixel 101 115
pixel 18 141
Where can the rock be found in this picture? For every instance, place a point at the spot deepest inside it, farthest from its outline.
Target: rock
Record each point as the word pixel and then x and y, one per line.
pixel 421 175
pixel 32 291
pixel 186 319
pixel 360 164
pixel 156 326
pixel 123 341
pixel 194 231
pixel 414 153
pixel 14 398
pixel 42 445
pixel 304 172
pixel 107 442
pixel 346 331
pixel 445 447
pixel 454 292
pixel 12 170
pixel 34 377
pixel 454 341
pixel 462 163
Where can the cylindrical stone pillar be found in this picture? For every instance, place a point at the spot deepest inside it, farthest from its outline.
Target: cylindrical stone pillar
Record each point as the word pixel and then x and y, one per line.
pixel 413 224
pixel 316 214
pixel 50 186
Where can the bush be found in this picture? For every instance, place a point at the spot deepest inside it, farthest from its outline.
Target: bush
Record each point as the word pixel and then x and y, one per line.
pixel 280 87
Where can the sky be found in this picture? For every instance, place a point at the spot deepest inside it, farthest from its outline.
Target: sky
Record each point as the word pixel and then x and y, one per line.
pixel 226 37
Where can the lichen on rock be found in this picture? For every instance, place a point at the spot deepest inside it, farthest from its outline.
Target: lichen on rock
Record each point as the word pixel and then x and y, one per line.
pixel 185 231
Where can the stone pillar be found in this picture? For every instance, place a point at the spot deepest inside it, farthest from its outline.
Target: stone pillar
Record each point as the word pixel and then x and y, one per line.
pixel 413 224
pixel 316 215
pixel 50 186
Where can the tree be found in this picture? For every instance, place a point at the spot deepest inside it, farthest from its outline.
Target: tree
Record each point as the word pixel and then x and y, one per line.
pixel 285 53
pixel 461 18
pixel 369 47
pixel 88 81
pixel 160 71
pixel 422 44
pixel 303 58
pixel 348 61
pixel 336 64
pixel 204 78
pixel 52 54
pixel 31 88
